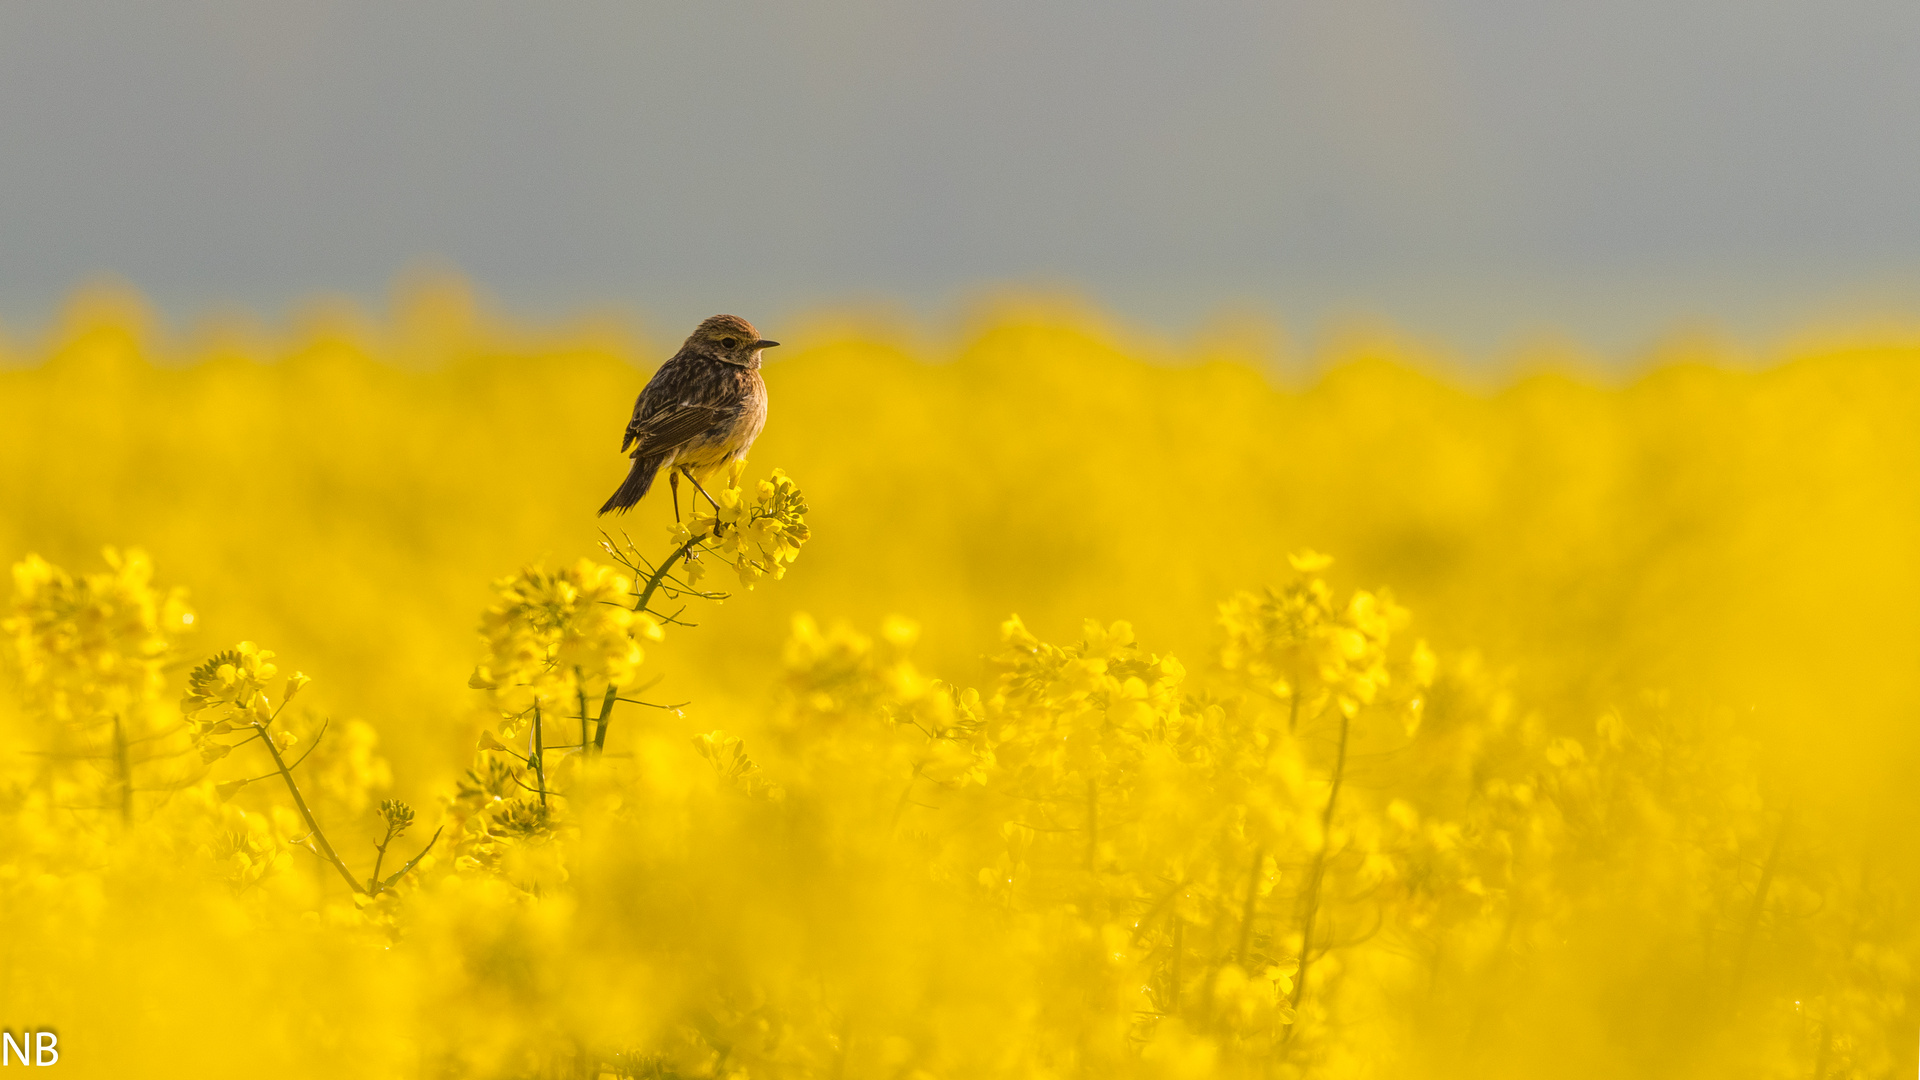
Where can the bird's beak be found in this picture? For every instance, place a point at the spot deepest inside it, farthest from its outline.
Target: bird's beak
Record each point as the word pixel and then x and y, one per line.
pixel 765 344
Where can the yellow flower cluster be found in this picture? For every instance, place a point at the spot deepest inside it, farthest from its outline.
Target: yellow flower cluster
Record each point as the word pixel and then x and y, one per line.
pixel 227 697
pixel 551 632
pixel 759 539
pixel 95 645
pixel 728 756
pixel 1287 641
pixel 92 654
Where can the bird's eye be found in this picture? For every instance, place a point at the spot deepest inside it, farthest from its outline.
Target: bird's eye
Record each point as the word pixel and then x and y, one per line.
pixel 729 342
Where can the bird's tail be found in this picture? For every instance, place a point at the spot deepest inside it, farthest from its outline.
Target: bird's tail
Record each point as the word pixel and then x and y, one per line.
pixel 634 488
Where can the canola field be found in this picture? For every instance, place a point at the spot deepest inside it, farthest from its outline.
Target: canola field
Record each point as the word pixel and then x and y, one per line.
pixel 1036 703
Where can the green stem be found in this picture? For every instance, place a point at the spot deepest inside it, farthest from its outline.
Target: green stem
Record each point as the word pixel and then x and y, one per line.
pixel 580 691
pixel 1293 701
pixel 319 837
pixel 1093 823
pixel 1179 953
pixel 538 759
pixel 411 863
pixel 125 766
pixel 606 715
pixel 1759 900
pixel 379 857
pixel 660 573
pixel 1312 905
pixel 1246 911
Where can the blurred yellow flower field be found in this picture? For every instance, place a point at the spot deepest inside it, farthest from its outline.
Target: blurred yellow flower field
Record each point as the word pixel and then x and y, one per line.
pixel 1042 703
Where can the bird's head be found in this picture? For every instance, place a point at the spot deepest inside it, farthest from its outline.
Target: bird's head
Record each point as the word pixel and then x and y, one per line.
pixel 730 339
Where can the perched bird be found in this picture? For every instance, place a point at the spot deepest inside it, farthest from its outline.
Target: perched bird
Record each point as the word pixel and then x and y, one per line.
pixel 701 410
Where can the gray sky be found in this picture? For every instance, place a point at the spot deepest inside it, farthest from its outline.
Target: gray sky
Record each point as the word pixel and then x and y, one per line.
pixel 1473 169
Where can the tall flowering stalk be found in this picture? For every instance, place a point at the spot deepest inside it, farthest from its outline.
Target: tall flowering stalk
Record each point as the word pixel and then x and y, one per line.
pixel 1324 664
pixel 564 648
pixel 92 652
pixel 553 638
pixel 229 705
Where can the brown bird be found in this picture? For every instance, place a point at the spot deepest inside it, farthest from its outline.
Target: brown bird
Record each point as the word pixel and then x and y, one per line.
pixel 701 410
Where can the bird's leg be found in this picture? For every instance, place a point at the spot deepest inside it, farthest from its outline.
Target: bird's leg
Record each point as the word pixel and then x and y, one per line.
pixel 673 481
pixel 697 487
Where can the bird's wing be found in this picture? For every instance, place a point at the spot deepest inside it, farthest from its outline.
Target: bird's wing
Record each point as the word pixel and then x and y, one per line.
pixel 670 427
pixel 639 405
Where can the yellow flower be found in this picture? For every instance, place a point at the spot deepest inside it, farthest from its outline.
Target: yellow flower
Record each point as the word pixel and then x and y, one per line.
pixel 760 537
pixel 235 679
pixel 97 645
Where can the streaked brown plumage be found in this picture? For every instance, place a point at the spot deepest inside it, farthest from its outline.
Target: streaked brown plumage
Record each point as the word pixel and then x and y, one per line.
pixel 701 410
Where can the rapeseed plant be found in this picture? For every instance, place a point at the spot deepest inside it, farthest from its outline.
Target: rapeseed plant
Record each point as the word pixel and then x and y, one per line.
pixel 92 653
pixel 1308 829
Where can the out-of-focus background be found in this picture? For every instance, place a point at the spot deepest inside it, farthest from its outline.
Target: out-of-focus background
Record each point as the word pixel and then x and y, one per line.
pixel 1589 333
pixel 1478 171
